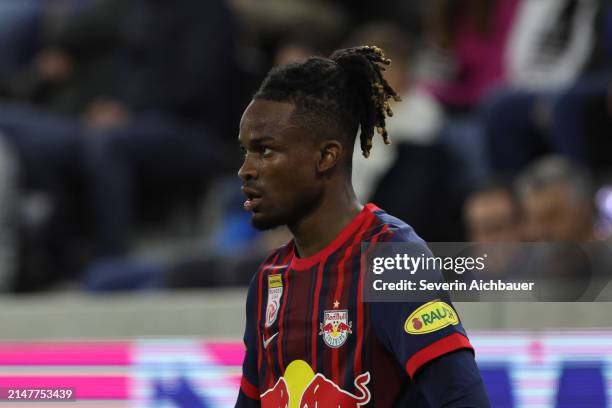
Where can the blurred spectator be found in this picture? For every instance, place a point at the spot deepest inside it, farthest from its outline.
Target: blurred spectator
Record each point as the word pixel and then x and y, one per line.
pixel 19 21
pixel 465 62
pixel 417 118
pixel 165 119
pixel 79 41
pixel 122 95
pixel 557 200
pixel 415 164
pixel 559 61
pixel 553 42
pixel 77 58
pixel 492 214
pixel 581 122
pixel 470 37
pixel 529 117
pixel 492 218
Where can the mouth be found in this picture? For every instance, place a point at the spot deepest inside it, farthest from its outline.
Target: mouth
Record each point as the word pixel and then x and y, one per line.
pixel 253 198
pixel 251 204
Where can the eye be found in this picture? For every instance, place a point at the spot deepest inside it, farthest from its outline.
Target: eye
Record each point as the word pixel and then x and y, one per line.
pixel 266 151
pixel 243 150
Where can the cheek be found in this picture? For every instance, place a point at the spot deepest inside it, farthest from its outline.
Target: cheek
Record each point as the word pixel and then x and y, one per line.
pixel 295 186
pixel 293 171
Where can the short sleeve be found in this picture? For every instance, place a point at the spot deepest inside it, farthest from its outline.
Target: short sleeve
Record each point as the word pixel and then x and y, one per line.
pixel 418 332
pixel 400 327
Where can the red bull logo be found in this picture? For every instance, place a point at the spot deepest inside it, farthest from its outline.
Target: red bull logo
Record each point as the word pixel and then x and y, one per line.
pixel 277 396
pixel 335 327
pixel 301 388
pixel 324 393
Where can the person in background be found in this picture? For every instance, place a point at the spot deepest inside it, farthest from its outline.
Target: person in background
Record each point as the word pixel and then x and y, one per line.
pixel 554 101
pixel 472 37
pixel 75 62
pixel 492 221
pixel 416 164
pixel 158 119
pixel 557 200
pixel 164 121
pixel 40 117
pixel 557 197
pixel 463 63
pixel 418 117
pixel 491 214
pixel 19 21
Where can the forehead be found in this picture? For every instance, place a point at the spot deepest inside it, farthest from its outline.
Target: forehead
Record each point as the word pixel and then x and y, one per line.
pixel 489 204
pixel 489 196
pixel 263 118
pixel 555 193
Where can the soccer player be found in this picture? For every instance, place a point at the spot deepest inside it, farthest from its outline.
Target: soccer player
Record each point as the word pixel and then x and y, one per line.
pixel 311 341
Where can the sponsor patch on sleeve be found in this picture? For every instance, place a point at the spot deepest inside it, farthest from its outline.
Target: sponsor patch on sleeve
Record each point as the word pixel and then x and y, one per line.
pixel 431 316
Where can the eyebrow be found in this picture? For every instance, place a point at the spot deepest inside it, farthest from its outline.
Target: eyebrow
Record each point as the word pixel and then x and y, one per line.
pixel 258 139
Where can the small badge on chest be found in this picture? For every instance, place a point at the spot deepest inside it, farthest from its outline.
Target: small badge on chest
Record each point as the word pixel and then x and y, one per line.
pixel 275 292
pixel 335 327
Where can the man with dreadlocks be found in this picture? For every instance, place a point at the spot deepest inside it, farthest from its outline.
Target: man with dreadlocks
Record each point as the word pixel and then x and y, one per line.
pixel 311 341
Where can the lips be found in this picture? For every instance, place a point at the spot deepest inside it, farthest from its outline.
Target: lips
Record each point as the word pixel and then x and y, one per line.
pixel 251 204
pixel 253 198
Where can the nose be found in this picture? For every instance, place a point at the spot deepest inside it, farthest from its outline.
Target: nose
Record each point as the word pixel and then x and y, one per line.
pixel 247 171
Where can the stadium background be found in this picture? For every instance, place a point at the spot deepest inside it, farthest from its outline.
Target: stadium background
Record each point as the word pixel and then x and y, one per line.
pixel 124 251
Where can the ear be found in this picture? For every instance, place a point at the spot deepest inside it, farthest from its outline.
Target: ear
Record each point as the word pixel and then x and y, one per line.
pixel 330 152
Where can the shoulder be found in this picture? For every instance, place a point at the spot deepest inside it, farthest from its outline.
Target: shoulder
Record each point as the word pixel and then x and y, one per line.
pixel 392 229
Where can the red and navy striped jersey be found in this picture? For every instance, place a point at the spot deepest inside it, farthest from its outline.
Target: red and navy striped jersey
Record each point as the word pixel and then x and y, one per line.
pixel 312 341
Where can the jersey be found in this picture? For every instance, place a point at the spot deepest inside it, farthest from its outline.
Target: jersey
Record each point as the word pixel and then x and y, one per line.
pixel 312 341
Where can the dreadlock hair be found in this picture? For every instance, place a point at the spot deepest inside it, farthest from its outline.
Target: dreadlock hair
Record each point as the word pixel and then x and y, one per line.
pixel 346 92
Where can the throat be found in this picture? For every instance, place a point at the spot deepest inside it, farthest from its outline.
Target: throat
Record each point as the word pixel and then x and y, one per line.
pixel 319 230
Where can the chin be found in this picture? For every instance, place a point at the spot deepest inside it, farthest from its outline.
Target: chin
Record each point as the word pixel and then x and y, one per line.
pixel 262 222
pixel 281 215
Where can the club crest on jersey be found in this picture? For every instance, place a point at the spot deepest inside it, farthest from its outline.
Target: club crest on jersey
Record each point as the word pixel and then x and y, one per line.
pixel 335 327
pixel 275 292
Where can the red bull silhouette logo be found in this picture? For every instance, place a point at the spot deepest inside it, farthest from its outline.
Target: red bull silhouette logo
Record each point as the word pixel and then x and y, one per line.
pixel 335 327
pixel 324 393
pixel 301 388
pixel 277 396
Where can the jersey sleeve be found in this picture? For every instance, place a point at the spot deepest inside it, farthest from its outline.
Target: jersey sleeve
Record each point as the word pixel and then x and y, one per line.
pixel 453 381
pixel 418 332
pixel 248 395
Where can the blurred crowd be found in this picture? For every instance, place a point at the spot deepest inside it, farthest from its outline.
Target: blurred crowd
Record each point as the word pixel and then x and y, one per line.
pixel 119 118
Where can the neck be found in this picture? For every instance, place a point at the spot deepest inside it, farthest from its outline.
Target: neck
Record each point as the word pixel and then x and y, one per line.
pixel 321 226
